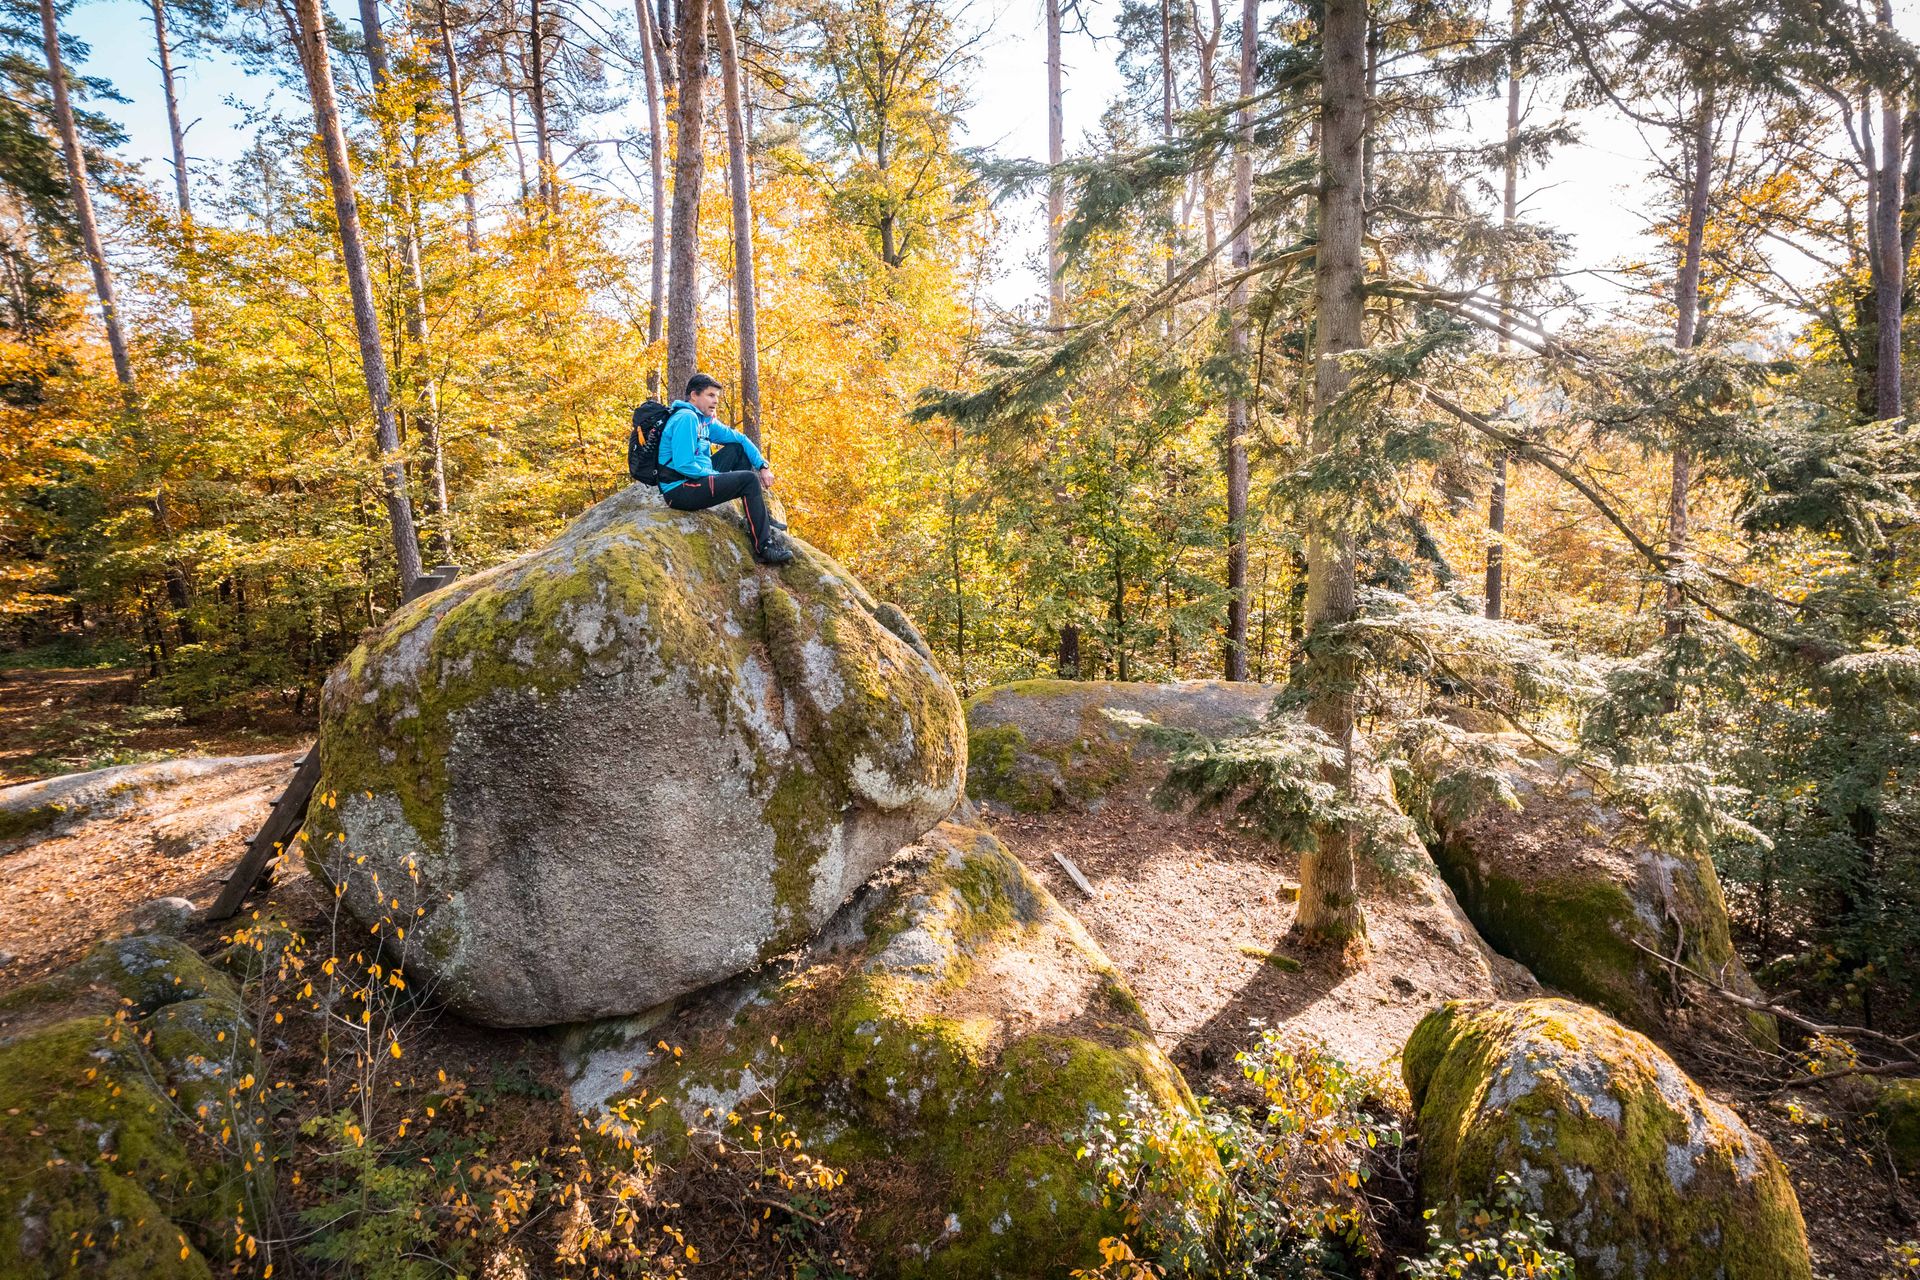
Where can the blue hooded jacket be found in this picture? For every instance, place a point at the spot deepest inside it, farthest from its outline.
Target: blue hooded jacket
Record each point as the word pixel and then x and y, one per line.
pixel 686 443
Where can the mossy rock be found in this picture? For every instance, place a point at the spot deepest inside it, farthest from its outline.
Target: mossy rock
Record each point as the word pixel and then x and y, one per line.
pixel 944 1042
pixel 627 765
pixel 1896 1108
pixel 1566 887
pixel 1036 745
pixel 127 1122
pixel 1641 1174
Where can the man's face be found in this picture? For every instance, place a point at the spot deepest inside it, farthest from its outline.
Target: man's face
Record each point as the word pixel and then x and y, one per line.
pixel 706 399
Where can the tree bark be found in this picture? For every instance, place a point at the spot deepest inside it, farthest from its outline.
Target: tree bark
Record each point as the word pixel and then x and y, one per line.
pixel 1329 905
pixel 1236 428
pixel 174 129
pixel 1056 153
pixel 455 97
pixel 537 98
pixel 742 200
pixel 1686 296
pixel 1509 215
pixel 1889 284
pixel 353 255
pixel 513 123
pixel 652 53
pixel 683 287
pixel 82 197
pixel 400 198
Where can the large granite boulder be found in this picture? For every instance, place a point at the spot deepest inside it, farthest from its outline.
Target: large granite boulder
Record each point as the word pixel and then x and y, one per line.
pixel 1036 745
pixel 626 765
pixel 945 1041
pixel 1570 887
pixel 129 1100
pixel 1642 1175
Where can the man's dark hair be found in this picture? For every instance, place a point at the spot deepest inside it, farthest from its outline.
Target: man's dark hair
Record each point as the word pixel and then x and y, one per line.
pixel 700 382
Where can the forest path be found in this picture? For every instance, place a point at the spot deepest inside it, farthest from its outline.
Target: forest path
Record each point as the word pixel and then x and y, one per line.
pixel 1195 914
pixel 56 720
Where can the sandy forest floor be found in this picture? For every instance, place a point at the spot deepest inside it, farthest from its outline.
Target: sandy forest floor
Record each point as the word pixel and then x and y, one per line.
pixel 1194 914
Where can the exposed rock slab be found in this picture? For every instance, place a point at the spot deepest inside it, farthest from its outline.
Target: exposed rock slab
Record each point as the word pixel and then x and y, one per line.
pixel 627 765
pixel 1036 745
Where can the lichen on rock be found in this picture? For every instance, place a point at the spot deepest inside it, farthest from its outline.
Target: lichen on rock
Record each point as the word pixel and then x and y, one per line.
pixel 1567 887
pixel 944 1039
pixel 1641 1173
pixel 117 1079
pixel 1037 745
pixel 626 765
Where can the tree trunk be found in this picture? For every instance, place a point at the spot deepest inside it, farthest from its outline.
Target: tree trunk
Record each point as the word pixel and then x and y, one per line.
pixel 400 198
pixel 82 197
pixel 1329 906
pixel 513 123
pixel 1056 189
pixel 1166 136
pixel 1509 214
pixel 1686 296
pixel 651 53
pixel 353 254
pixel 455 96
pixel 1236 450
pixel 683 288
pixel 1888 282
pixel 742 194
pixel 537 98
pixel 174 129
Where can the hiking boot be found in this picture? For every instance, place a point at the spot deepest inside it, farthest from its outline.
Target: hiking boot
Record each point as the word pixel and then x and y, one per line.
pixel 775 553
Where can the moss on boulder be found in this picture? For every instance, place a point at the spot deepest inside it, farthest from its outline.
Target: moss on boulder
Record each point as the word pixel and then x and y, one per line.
pixel 626 765
pixel 126 1135
pixel 1036 745
pixel 1567 887
pixel 943 1041
pixel 1642 1175
pixel 1896 1108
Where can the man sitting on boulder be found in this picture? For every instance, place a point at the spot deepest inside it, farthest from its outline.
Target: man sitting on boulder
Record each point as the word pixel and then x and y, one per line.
pixel 705 477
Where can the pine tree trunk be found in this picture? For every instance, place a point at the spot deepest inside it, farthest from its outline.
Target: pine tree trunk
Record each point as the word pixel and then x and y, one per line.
pixel 1056 153
pixel 174 129
pixel 353 254
pixel 400 197
pixel 683 287
pixel 1236 450
pixel 1686 295
pixel 513 123
pixel 652 54
pixel 742 193
pixel 1329 907
pixel 82 197
pixel 1166 135
pixel 1889 283
pixel 537 99
pixel 1509 215
pixel 456 98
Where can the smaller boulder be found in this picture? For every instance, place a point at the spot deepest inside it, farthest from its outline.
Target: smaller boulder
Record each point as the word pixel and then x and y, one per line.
pixel 1568 887
pixel 1036 745
pixel 1896 1108
pixel 119 1078
pixel 944 1040
pixel 169 916
pixel 1642 1175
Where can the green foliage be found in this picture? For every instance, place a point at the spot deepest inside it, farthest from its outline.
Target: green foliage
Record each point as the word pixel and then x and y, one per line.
pixel 1292 1197
pixel 371 1218
pixel 1498 1242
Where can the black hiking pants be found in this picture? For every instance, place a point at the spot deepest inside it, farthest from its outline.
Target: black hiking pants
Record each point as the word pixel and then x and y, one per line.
pixel 736 478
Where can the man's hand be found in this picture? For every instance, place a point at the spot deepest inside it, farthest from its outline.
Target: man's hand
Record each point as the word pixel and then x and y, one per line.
pixel 766 477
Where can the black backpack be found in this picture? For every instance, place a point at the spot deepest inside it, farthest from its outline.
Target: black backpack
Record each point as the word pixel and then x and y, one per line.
pixel 643 445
